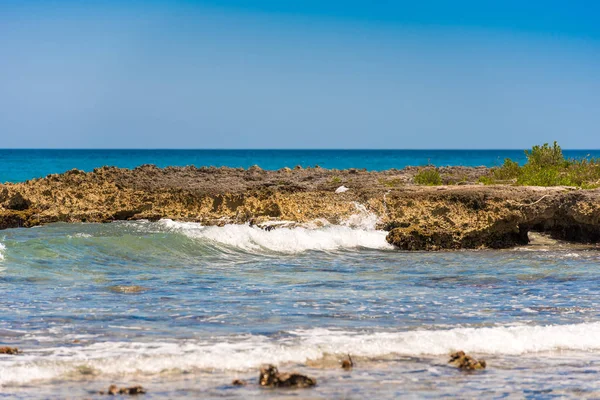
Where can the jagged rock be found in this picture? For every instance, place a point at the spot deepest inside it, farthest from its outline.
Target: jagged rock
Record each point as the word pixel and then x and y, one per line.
pixel 113 390
pixel 347 363
pixel 466 362
pixel 9 350
pixel 271 377
pixel 17 202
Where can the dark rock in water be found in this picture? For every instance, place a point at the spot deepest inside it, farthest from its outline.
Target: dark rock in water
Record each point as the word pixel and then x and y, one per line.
pixel 9 350
pixel 347 364
pixel 271 377
pixel 113 390
pixel 466 362
pixel 17 202
pixel 239 382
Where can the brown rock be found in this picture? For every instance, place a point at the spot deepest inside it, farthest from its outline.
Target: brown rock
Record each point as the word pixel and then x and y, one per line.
pixel 271 377
pixel 420 218
pixel 347 363
pixel 114 390
pixel 239 382
pixel 9 350
pixel 466 362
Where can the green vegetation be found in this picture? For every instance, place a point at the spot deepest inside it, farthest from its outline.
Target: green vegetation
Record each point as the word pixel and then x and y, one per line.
pixel 392 182
pixel 546 166
pixel 429 177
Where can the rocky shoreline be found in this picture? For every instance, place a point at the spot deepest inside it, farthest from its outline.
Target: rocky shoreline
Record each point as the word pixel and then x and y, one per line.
pixel 461 214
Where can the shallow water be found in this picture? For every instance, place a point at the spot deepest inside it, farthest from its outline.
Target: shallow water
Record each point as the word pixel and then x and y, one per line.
pixel 213 303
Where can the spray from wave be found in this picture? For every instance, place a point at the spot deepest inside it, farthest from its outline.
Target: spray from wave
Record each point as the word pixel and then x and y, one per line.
pixel 2 249
pixel 243 353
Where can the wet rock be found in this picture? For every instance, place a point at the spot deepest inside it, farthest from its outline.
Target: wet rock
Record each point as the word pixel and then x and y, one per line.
pixel 113 390
pixel 9 350
pixel 17 202
pixel 239 382
pixel 466 362
pixel 271 377
pixel 347 363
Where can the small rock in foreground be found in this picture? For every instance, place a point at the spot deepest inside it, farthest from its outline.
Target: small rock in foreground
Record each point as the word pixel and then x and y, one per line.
pixel 466 362
pixel 271 377
pixel 9 350
pixel 113 390
pixel 347 363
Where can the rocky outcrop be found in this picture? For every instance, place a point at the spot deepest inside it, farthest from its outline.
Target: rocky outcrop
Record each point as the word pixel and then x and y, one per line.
pixel 418 217
pixel 491 217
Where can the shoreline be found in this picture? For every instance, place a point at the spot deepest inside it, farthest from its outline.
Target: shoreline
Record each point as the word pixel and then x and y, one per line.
pixel 462 215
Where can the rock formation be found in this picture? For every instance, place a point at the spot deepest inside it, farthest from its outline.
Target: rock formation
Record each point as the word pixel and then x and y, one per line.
pixel 465 216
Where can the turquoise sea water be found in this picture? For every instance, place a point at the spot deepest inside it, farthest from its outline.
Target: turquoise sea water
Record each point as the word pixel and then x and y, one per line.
pixel 184 309
pixel 20 165
pixel 214 303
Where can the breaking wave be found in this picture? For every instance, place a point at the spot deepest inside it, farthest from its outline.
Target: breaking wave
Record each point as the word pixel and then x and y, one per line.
pixel 242 353
pixel 283 240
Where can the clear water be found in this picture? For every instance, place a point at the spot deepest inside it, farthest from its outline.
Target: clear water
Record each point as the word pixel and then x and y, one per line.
pixel 214 303
pixel 20 165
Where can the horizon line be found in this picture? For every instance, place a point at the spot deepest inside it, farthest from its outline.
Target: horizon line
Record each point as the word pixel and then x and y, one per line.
pixel 274 149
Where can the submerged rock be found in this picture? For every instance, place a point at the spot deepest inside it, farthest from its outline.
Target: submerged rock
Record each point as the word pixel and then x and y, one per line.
pixel 239 382
pixel 113 390
pixel 9 350
pixel 127 289
pixel 466 362
pixel 271 377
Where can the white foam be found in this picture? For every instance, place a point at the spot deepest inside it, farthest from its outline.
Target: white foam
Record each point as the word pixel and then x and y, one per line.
pixel 353 234
pixel 248 352
pixel 2 249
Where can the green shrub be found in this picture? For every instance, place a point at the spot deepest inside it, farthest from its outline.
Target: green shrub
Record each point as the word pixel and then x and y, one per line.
pixel 546 156
pixel 429 177
pixel 547 166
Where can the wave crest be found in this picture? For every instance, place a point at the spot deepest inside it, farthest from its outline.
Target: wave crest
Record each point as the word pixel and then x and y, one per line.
pixel 283 240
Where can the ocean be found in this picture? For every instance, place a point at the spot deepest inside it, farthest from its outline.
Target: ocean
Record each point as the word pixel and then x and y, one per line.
pixel 184 309
pixel 20 165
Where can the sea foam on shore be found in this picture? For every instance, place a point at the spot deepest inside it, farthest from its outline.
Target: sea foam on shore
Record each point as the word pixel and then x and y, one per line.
pixel 247 352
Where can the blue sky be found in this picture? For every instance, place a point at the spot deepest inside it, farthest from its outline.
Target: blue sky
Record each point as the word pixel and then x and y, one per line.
pixel 299 74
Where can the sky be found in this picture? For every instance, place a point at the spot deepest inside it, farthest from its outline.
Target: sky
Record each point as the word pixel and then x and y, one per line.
pixel 273 74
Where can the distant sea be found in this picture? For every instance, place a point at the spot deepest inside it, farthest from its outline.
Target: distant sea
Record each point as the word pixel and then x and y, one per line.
pixel 22 164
